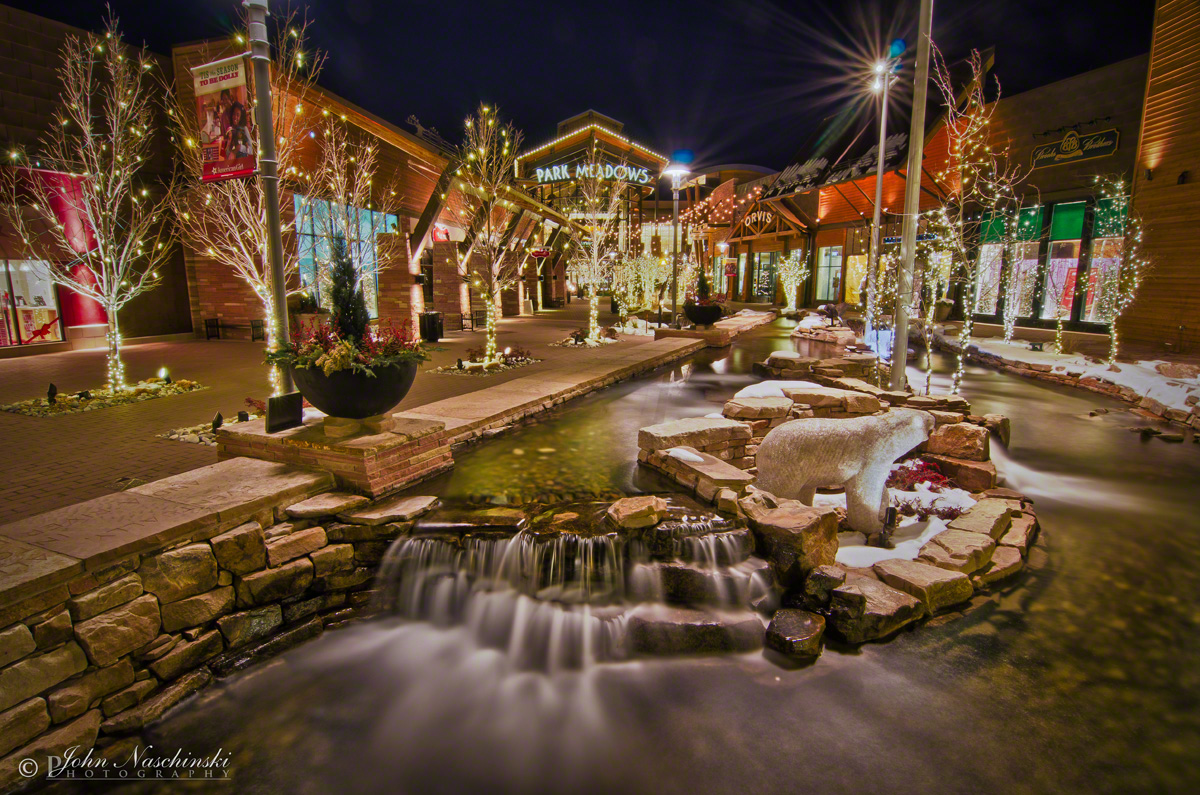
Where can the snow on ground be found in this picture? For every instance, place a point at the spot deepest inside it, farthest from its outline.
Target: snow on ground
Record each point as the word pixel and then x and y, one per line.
pixel 811 321
pixel 1141 376
pixel 773 388
pixel 684 455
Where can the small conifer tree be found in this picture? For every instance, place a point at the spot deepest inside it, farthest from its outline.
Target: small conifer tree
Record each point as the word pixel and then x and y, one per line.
pixel 350 316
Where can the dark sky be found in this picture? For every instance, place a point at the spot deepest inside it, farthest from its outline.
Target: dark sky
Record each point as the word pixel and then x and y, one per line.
pixel 733 81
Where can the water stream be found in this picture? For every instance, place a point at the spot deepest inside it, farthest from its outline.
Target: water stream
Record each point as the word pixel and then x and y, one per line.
pixel 1083 676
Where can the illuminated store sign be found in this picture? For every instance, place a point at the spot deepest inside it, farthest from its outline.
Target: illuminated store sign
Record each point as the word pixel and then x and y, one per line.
pixel 592 170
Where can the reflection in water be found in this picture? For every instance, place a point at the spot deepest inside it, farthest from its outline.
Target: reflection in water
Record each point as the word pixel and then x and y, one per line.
pixel 1083 676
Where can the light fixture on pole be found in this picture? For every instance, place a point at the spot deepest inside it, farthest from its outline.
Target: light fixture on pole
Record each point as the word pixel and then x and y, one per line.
pixel 885 75
pixel 678 173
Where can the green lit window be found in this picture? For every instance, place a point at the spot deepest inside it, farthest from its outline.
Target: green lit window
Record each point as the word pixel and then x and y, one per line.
pixel 317 222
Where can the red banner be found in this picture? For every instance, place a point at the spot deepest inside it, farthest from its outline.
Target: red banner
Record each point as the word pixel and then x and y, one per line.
pixel 228 139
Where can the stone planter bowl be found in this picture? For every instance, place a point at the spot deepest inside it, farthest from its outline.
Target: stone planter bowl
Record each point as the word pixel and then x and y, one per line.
pixel 354 395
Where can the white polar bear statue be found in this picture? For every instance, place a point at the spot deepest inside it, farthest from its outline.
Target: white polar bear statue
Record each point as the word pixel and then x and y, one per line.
pixel 798 456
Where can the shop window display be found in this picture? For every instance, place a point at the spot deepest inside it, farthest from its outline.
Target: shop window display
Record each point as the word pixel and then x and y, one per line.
pixel 829 273
pixel 30 304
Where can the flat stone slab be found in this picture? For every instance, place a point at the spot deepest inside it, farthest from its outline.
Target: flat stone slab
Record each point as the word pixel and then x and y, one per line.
pixel 327 504
pixel 1006 561
pixel 818 396
pixel 864 609
pixel 26 569
pixel 239 487
pixel 692 432
pixel 936 588
pixel 1020 534
pixel 991 517
pixel 757 408
pixel 722 473
pixel 958 550
pixel 398 509
pixel 681 630
pixel 796 633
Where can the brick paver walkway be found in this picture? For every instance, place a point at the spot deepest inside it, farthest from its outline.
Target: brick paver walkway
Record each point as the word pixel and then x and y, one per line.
pixel 52 462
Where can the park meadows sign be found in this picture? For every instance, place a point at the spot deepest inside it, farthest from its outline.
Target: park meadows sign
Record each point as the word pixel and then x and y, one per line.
pixel 608 171
pixel 1075 147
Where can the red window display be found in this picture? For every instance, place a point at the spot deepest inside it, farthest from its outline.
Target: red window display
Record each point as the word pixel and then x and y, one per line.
pixel 30 304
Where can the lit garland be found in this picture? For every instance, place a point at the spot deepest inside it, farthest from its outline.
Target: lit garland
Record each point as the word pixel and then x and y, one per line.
pixel 1133 264
pixel 593 239
pixel 793 270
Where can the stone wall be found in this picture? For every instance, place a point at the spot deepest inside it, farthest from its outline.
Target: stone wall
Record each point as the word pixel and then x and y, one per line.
pixel 115 610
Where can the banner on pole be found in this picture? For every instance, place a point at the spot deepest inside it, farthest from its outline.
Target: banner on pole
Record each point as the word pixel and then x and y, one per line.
pixel 228 139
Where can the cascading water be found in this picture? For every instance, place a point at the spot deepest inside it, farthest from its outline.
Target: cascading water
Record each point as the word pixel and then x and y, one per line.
pixel 555 596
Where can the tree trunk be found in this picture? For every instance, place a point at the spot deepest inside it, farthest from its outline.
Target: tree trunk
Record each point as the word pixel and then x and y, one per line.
pixel 593 314
pixel 116 367
pixel 273 376
pixel 489 351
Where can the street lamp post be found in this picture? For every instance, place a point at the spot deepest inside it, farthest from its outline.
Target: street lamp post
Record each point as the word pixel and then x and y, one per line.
pixel 884 77
pixel 677 172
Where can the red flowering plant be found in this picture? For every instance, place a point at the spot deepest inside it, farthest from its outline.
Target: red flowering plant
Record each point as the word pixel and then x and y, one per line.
pixel 703 295
pixel 319 345
pixel 905 478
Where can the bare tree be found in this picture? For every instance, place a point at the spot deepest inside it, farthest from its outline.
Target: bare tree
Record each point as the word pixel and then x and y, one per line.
pixel 982 182
pixel 793 270
pixel 1119 263
pixel 91 164
pixel 227 220
pixel 595 237
pixel 485 182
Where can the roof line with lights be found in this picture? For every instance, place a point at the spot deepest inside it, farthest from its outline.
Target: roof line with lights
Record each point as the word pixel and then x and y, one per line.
pixel 592 126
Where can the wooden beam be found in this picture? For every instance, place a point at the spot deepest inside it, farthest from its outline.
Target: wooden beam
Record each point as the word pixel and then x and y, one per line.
pixel 847 198
pixel 429 216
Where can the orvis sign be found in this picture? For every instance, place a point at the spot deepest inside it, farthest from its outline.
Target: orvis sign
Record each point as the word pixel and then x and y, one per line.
pixel 594 170
pixel 1075 147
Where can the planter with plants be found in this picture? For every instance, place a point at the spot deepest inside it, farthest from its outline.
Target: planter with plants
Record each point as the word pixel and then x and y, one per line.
pixel 703 309
pixel 347 368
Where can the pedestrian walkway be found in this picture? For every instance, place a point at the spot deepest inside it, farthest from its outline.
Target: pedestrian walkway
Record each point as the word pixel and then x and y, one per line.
pixel 57 461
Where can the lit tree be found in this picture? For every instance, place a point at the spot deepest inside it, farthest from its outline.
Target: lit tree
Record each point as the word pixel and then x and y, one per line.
pixel 485 182
pixel 594 238
pixel 982 180
pixel 793 270
pixel 1124 263
pixel 96 153
pixel 227 219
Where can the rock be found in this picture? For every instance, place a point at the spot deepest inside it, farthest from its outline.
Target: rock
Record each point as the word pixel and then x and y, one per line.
pixel 999 425
pixel 680 630
pixel 22 723
pixel 633 512
pixel 727 501
pixel 197 610
pixel 936 588
pixel 399 509
pixel 858 403
pixel 960 440
pixel 188 656
pixel 820 582
pixel 794 537
pixel 156 648
pixel 152 709
pixel 241 550
pixel 817 396
pixel 990 516
pixel 180 573
pixel 1007 494
pixel 124 699
pixel 958 550
pixel 113 634
pixel 1170 436
pixel 106 597
pixel 695 432
pixel 242 628
pixel 1178 370
pixel 238 659
pixel 32 675
pixel 367 553
pixel 969 475
pixel 361 532
pixel 1020 534
pixel 798 457
pixel 343 579
pixel 945 417
pixel 1006 561
pixel 757 408
pixel 327 504
pixel 15 643
pixel 796 633
pixel 272 585
pixel 74 698
pixel 335 557
pixel 54 631
pixel 79 734
pixel 289 547
pixel 864 609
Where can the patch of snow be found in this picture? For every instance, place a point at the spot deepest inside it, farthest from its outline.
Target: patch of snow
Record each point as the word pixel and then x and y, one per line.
pixel 784 355
pixel 716 415
pixel 752 313
pixel 773 388
pixel 684 455
pixel 908 540
pixel 811 321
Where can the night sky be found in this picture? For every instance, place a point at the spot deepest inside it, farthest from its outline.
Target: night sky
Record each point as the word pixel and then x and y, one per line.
pixel 736 82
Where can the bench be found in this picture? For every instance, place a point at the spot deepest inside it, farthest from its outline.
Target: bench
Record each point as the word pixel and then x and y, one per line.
pixel 213 326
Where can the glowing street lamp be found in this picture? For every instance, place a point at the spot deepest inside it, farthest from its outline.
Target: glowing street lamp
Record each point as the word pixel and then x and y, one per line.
pixel 884 75
pixel 678 173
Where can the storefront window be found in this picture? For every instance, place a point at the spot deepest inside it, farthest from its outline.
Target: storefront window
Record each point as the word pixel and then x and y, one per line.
pixel 987 278
pixel 1025 277
pixel 829 273
pixel 316 227
pixel 764 277
pixel 30 304
pixel 856 277
pixel 1103 273
pixel 1062 269
pixel 736 292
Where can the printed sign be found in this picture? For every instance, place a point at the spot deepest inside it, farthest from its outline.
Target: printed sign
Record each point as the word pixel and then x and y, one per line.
pixel 228 139
pixel 1075 148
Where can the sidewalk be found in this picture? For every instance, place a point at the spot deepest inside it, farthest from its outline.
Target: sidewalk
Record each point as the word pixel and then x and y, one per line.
pixel 57 461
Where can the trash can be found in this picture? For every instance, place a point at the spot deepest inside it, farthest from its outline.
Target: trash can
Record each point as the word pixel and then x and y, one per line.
pixel 432 329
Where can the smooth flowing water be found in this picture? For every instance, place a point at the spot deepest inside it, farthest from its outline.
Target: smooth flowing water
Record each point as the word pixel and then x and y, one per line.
pixel 1082 676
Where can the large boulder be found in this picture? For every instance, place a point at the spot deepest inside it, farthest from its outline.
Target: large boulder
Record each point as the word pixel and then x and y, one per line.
pixel 798 457
pixel 969 475
pixel 795 538
pixel 936 588
pixel 698 432
pixel 634 512
pixel 960 440
pixel 864 609
pixel 958 550
pixel 796 633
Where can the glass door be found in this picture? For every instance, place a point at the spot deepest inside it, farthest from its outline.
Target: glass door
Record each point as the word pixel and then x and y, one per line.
pixel 829 273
